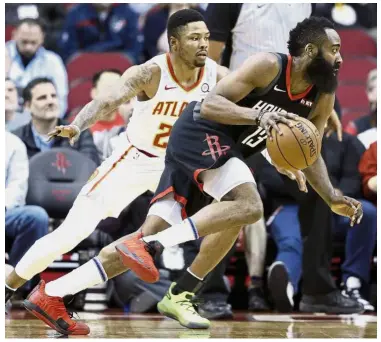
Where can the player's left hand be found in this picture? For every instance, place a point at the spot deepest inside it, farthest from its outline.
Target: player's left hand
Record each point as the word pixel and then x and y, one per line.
pixel 334 125
pixel 347 206
pixel 296 175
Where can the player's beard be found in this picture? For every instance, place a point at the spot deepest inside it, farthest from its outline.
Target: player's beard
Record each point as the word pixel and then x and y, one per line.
pixel 322 74
pixel 191 64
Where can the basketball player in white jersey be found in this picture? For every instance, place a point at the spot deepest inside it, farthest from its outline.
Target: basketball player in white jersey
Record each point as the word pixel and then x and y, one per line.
pixel 163 87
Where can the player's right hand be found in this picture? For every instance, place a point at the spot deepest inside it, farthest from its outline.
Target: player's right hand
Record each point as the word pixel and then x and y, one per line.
pixel 71 132
pixel 269 120
pixel 347 206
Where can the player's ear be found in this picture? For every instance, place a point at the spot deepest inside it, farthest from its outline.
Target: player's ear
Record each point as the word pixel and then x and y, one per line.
pixel 311 50
pixel 173 44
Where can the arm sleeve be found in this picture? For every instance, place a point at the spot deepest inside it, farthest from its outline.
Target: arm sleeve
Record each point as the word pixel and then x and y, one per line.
pixel 17 177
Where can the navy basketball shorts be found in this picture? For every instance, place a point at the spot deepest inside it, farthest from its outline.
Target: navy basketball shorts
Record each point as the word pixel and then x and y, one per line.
pixel 201 156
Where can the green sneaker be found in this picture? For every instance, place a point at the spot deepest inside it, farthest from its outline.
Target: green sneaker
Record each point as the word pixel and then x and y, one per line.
pixel 181 308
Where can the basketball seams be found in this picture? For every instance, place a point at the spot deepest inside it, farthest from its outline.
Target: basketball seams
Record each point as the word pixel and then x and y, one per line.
pixel 277 143
pixel 299 145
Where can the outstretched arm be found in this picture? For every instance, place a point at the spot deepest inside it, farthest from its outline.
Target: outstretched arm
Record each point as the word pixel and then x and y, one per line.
pixel 131 83
pixel 135 80
pixel 317 176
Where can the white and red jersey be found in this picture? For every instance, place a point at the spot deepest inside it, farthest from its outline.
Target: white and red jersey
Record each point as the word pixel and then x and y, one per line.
pixel 151 121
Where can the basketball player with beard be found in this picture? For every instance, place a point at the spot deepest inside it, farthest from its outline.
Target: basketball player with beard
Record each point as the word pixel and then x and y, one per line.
pixel 210 141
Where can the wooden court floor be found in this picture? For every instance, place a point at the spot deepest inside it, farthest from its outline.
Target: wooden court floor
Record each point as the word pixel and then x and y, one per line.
pixel 113 324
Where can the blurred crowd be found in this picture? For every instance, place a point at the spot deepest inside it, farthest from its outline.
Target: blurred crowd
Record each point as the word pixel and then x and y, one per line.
pixel 299 235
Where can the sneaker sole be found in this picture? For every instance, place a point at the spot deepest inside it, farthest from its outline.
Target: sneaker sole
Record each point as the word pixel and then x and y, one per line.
pixel 164 311
pixel 310 308
pixel 40 314
pixel 277 283
pixel 148 275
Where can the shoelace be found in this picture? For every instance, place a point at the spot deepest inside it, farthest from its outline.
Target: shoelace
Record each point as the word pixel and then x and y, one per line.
pixel 355 293
pixel 190 304
pixel 70 313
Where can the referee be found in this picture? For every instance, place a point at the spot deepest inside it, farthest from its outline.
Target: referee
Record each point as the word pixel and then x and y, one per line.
pixel 237 31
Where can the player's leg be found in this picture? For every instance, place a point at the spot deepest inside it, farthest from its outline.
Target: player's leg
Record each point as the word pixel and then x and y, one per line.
pixel 46 302
pixel 108 263
pixel 76 227
pixel 242 206
pixel 177 303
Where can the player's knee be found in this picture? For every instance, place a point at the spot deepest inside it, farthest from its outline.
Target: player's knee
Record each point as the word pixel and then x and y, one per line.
pixel 252 211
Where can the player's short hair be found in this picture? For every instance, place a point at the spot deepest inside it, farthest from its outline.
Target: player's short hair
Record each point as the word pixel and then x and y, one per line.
pixel 179 19
pixel 310 30
pixel 98 75
pixel 27 91
pixel 32 21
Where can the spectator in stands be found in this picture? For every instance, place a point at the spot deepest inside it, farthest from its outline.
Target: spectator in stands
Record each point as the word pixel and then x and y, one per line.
pixel 13 118
pixel 40 99
pixel 101 28
pixel 346 15
pixel 29 60
pixel 52 15
pixel 342 161
pixel 115 123
pixel 155 32
pixel 368 170
pixel 24 224
pixel 369 121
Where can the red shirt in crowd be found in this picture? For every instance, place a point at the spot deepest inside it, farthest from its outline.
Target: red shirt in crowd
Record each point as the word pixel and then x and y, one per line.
pixel 368 169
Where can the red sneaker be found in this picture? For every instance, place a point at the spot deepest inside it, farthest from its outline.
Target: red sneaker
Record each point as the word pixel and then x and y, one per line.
pixel 137 256
pixel 53 312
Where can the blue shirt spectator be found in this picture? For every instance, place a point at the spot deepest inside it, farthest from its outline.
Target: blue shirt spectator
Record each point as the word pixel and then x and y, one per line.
pixel 29 60
pixel 101 28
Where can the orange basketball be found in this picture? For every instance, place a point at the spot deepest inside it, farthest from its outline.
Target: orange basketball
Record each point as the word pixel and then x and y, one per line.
pixel 297 148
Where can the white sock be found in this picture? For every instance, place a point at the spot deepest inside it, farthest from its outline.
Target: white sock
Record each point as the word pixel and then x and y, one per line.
pixel 179 233
pixel 90 274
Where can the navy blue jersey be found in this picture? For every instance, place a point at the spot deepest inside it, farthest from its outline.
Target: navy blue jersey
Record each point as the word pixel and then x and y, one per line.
pixel 276 97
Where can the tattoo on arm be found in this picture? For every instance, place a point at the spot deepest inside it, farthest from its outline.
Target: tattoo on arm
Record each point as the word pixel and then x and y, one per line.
pixel 132 82
pixel 317 176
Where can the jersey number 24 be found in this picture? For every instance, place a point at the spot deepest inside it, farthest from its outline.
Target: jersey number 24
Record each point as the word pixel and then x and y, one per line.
pixel 161 138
